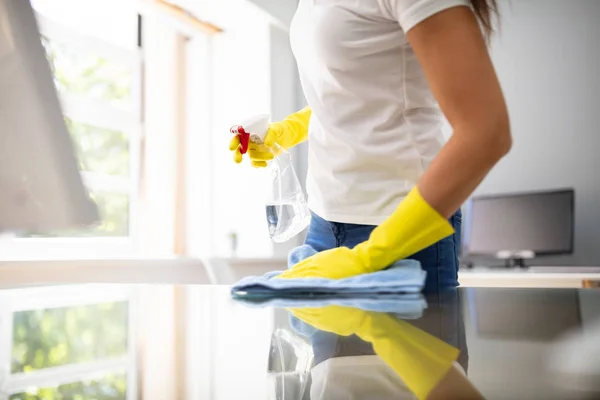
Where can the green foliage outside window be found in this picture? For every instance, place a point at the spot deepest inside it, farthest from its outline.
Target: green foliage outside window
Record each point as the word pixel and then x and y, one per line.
pixel 109 387
pixel 81 73
pixel 100 150
pixel 114 218
pixel 60 336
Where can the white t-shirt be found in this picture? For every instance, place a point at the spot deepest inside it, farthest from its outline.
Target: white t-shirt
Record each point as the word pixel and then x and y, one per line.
pixel 359 377
pixel 362 377
pixel 375 125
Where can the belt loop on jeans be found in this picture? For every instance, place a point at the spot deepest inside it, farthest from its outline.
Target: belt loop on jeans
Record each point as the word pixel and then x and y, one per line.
pixel 339 231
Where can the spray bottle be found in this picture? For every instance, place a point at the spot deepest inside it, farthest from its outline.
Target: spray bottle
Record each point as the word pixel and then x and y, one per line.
pixel 286 209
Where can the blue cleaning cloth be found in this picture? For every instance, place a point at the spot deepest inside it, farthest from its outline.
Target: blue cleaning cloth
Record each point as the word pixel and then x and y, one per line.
pixel 402 306
pixel 394 290
pixel 405 276
pixel 409 305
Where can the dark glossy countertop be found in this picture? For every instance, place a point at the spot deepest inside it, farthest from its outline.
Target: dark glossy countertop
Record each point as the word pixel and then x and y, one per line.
pixel 510 343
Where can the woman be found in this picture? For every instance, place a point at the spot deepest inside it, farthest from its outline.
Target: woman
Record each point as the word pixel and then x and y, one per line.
pixel 378 76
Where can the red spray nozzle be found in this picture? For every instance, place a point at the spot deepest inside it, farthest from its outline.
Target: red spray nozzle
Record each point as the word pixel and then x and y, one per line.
pixel 254 129
pixel 244 137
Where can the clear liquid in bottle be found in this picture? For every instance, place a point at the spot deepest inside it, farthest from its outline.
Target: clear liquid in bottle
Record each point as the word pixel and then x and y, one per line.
pixel 286 219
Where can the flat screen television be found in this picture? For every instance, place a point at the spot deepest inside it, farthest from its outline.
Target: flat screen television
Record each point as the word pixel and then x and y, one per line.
pixel 539 222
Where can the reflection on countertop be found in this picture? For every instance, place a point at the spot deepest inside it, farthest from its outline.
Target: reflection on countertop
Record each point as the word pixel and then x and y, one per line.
pixel 194 342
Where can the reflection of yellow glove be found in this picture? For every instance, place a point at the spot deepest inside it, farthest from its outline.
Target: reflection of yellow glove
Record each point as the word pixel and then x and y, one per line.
pixel 287 133
pixel 420 359
pixel 411 228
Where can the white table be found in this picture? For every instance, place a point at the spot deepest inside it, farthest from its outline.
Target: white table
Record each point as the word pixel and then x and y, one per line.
pixel 555 277
pixel 228 271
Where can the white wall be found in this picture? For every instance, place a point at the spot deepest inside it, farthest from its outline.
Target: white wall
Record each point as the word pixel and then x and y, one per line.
pixel 282 10
pixel 284 100
pixel 286 92
pixel 252 71
pixel 547 56
pixel 241 88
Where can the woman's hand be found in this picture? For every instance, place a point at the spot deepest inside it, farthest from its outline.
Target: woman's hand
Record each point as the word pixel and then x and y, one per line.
pixel 259 154
pixel 414 226
pixel 337 263
pixel 285 134
pixel 343 321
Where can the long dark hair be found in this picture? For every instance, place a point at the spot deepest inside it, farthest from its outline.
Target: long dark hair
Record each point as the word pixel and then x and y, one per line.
pixel 487 13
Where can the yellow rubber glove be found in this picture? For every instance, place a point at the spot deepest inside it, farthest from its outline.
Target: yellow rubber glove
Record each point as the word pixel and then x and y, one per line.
pixel 414 226
pixel 420 359
pixel 287 133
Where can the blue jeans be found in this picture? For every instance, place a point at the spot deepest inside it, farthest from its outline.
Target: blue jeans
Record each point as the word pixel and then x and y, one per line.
pixel 440 260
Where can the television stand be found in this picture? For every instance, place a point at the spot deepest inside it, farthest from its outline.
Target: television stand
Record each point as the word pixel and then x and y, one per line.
pixel 515 259
pixel 515 263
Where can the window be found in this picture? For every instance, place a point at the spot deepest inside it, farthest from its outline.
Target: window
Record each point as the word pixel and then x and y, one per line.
pixel 108 387
pixel 67 342
pixel 98 75
pixel 101 87
pixel 79 341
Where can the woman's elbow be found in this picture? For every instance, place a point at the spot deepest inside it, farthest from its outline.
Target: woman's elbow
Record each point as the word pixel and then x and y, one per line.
pixel 496 136
pixel 502 138
pixel 491 137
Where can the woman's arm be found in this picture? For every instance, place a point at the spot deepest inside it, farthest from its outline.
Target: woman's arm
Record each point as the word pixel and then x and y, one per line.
pixel 455 385
pixel 452 51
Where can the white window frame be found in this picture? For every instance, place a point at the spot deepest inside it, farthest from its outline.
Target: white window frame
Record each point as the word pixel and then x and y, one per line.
pixel 103 116
pixel 16 300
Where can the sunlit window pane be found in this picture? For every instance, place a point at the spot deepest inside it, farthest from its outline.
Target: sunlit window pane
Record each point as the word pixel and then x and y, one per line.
pixel 114 212
pixel 113 21
pixel 53 337
pixel 114 218
pixel 109 387
pixel 82 73
pixel 100 150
